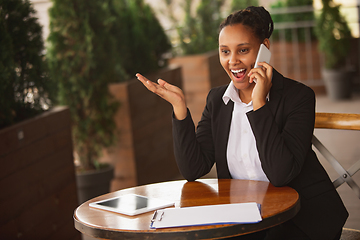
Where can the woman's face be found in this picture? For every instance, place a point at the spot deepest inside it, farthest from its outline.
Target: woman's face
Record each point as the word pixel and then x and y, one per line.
pixel 238 48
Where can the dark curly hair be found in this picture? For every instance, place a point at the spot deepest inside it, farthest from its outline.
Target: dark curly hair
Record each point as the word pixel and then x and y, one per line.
pixel 258 19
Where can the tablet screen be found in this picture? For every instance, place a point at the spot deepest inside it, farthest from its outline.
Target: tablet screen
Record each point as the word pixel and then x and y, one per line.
pixel 131 204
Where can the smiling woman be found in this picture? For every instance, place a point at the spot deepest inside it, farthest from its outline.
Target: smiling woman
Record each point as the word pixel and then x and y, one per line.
pixel 257 130
pixel 238 53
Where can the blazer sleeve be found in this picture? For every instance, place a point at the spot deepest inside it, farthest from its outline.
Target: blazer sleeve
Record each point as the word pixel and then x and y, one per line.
pixel 194 151
pixel 283 137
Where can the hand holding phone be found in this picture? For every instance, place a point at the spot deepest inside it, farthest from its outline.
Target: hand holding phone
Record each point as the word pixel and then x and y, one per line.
pixel 264 55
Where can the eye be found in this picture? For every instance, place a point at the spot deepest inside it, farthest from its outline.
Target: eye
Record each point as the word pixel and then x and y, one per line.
pixel 243 50
pixel 224 51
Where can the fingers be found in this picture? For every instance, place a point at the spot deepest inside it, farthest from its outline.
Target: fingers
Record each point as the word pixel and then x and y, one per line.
pixel 169 92
pixel 170 87
pixel 255 74
pixel 152 86
pixel 264 72
pixel 146 82
pixel 141 78
pixel 267 68
pixel 149 83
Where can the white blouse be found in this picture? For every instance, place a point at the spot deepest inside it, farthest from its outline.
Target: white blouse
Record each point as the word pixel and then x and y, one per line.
pixel 242 155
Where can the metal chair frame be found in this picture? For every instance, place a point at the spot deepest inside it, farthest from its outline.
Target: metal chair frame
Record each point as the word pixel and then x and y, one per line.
pixel 343 121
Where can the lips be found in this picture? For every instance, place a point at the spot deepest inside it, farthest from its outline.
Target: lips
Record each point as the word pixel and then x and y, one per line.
pixel 238 73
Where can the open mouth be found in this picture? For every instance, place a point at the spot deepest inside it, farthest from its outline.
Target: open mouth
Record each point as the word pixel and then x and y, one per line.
pixel 239 73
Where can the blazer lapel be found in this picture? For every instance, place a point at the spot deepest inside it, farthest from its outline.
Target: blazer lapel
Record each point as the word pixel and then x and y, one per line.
pixel 223 129
pixel 276 91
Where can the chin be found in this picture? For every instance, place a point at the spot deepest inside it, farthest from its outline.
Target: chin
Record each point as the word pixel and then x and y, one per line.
pixel 243 84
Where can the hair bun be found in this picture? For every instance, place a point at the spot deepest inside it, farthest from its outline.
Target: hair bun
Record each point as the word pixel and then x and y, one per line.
pixel 265 17
pixel 257 18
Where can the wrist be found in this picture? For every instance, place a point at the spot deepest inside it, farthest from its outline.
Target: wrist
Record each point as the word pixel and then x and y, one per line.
pixel 258 103
pixel 180 112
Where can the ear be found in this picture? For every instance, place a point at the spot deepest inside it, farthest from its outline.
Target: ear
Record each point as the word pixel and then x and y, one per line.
pixel 266 42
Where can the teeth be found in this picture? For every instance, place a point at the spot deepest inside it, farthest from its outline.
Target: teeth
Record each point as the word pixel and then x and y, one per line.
pixel 237 71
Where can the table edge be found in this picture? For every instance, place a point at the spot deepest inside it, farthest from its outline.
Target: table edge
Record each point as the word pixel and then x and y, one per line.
pixel 229 229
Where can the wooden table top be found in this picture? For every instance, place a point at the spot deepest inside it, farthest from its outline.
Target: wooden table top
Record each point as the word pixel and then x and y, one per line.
pixel 278 204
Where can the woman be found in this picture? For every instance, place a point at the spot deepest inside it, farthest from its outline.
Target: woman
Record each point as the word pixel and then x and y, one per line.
pixel 258 131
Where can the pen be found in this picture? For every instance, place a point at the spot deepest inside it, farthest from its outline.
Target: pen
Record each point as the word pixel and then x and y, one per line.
pixel 154 217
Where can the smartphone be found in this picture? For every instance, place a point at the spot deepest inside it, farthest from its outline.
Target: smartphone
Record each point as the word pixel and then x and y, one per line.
pixel 264 55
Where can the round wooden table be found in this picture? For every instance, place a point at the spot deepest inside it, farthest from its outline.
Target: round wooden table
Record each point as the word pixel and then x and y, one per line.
pixel 278 204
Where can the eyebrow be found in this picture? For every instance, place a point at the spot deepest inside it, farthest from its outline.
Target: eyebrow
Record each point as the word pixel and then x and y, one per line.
pixel 239 45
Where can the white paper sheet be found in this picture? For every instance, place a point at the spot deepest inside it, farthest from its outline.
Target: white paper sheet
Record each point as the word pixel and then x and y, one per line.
pixel 205 215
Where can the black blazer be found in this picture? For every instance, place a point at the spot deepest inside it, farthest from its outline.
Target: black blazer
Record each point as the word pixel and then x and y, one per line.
pixel 283 129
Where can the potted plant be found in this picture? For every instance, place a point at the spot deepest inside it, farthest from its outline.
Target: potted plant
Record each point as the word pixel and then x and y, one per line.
pixel 25 84
pixel 334 38
pixel 35 141
pixel 93 44
pixel 144 151
pixel 83 59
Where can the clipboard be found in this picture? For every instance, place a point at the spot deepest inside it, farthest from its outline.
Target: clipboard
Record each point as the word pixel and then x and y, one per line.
pixel 234 213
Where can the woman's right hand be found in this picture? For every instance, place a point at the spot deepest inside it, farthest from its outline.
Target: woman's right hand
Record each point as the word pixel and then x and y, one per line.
pixel 170 93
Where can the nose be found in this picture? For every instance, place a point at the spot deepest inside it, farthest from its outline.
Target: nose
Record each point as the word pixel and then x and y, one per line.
pixel 233 59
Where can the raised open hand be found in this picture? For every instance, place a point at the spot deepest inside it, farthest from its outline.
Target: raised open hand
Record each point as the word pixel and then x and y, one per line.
pixel 168 92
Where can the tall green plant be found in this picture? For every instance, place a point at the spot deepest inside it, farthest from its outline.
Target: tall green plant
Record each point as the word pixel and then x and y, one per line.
pixel 92 44
pixel 333 34
pixel 25 84
pixel 83 59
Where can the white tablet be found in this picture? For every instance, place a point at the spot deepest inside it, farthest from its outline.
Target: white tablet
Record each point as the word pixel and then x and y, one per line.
pixel 131 204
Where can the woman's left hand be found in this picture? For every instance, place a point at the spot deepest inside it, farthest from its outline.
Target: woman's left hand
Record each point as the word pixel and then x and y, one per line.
pixel 263 84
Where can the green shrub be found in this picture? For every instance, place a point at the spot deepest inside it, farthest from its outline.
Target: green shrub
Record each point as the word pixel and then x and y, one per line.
pixel 334 35
pixel 25 87
pixel 92 44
